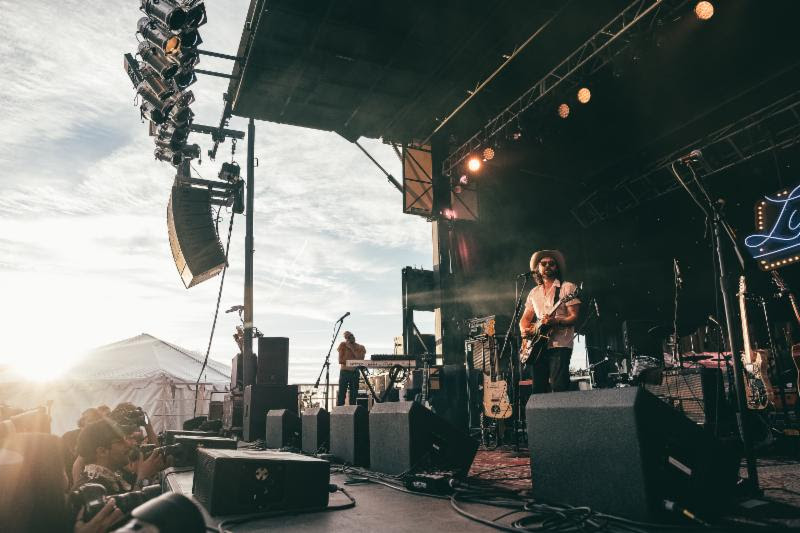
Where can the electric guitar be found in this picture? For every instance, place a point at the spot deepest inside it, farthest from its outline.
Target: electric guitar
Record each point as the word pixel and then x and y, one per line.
pixel 533 346
pixel 495 391
pixel 754 366
pixel 784 290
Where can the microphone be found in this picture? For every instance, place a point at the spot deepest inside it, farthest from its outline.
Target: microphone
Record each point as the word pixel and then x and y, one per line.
pixel 713 320
pixel 525 275
pixel 596 308
pixel 691 157
pixel 343 316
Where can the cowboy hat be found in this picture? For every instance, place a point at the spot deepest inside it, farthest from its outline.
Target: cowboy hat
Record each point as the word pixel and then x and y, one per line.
pixel 555 254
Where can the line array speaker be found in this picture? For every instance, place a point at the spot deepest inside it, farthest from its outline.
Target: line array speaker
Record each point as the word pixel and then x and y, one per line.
pixel 196 248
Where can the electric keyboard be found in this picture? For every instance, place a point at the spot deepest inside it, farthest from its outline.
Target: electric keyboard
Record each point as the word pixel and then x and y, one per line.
pixel 388 363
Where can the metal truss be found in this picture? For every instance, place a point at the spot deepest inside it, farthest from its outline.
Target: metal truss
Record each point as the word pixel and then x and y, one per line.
pixel 773 127
pixel 587 59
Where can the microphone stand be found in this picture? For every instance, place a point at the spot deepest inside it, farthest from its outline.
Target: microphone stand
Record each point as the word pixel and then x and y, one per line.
pixel 720 226
pixel 326 366
pixel 512 364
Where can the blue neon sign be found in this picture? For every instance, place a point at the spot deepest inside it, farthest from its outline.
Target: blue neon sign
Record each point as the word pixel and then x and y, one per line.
pixel 777 242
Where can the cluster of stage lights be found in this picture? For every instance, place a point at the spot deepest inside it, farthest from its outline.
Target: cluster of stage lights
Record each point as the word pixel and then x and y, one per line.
pixel 582 96
pixel 168 54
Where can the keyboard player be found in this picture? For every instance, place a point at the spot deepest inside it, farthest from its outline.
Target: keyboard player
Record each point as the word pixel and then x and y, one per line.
pixel 348 376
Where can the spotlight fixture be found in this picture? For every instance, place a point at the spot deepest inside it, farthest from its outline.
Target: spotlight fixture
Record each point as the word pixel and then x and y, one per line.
pixel 563 111
pixel 156 83
pixel 488 154
pixel 184 78
pixel 584 95
pixel 474 164
pixel 196 15
pixel 190 38
pixel 516 134
pixel 166 12
pixel 464 179
pixel 159 36
pixel 168 156
pixel 155 59
pixel 704 10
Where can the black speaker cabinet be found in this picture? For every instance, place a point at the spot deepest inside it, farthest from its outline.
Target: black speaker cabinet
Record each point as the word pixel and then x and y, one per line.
pixel 232 411
pixel 405 436
pixel 623 452
pixel 350 434
pixel 450 401
pixel 195 245
pixel 273 361
pixel 170 434
pixel 215 410
pixel 283 428
pixel 190 444
pixel 245 481
pixel 258 399
pixel 237 370
pixel 316 430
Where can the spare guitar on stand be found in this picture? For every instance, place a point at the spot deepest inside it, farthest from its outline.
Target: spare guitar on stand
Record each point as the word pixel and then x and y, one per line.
pixel 755 379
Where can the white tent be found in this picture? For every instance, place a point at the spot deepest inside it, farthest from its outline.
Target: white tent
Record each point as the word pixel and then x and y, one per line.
pixel 146 371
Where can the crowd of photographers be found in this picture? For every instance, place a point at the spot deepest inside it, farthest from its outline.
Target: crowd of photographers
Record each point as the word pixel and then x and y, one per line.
pixel 69 483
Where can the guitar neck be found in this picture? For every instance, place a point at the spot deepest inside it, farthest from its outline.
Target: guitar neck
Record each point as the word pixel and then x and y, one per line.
pixel 795 308
pixel 745 328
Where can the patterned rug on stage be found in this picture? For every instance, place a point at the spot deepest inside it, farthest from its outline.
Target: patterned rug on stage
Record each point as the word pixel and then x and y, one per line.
pixel 502 467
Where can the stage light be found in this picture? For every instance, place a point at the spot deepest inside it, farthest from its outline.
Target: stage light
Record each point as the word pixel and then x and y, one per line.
pixel 191 38
pixel 173 133
pixel 516 134
pixel 464 179
pixel 196 15
pixel 584 95
pixel 563 111
pixel 457 189
pixel 159 36
pixel 166 12
pixel 704 10
pixel 184 78
pixel 155 59
pixel 474 164
pixel 156 83
pixel 168 156
pixel 169 144
pixel 488 154
pixel 152 113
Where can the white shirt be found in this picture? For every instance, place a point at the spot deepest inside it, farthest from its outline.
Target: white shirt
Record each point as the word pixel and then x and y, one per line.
pixel 561 336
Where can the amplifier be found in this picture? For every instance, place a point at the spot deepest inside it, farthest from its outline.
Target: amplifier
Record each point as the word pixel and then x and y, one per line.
pixel 246 481
pixel 699 393
pixel 482 351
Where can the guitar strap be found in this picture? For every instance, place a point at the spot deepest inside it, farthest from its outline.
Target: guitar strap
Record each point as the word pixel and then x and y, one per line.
pixel 555 296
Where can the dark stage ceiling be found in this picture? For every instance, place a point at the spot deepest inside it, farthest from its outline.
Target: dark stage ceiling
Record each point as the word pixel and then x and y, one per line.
pixel 396 69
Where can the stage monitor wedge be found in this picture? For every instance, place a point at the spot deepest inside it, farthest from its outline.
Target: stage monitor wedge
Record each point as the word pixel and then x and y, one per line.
pixel 196 248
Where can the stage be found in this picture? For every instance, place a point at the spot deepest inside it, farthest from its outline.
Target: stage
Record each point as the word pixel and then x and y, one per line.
pixel 381 507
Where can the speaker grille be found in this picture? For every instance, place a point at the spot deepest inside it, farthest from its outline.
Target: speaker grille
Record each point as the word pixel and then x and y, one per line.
pixel 196 248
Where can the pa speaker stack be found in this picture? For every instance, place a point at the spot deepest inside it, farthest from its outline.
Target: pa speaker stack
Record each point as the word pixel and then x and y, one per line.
pixel 258 399
pixel 195 245
pixel 625 452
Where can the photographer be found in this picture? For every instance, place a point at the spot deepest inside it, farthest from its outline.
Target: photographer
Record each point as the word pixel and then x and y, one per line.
pixel 70 443
pixel 105 451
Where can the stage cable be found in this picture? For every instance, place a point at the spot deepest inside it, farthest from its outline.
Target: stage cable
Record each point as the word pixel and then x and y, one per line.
pixel 216 314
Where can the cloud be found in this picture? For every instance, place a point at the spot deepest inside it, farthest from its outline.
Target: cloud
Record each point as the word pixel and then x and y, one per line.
pixel 85 256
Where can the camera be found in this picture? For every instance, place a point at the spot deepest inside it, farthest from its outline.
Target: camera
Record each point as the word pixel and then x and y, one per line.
pixel 169 450
pixel 92 497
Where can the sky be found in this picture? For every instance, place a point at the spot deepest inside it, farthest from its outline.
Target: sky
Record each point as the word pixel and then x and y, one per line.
pixel 84 252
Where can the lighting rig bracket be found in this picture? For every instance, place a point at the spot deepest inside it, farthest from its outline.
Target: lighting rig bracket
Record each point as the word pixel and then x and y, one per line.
pixel 228 192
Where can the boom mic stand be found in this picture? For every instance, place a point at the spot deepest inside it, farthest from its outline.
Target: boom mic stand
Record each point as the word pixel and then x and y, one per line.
pixel 719 226
pixel 515 372
pixel 326 366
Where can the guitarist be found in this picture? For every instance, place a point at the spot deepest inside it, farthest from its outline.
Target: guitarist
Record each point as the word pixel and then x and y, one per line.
pixel 551 370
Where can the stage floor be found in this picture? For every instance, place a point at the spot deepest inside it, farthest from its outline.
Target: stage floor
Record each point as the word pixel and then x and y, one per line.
pixel 386 509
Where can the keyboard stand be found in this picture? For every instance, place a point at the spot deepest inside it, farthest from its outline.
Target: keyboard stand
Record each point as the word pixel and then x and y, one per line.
pixel 393 374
